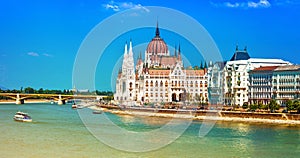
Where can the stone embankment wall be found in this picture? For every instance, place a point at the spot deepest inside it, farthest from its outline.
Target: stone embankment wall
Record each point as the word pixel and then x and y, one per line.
pixel 230 114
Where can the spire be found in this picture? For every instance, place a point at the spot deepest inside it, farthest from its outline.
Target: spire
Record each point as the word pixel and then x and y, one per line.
pixel 175 51
pixel 125 49
pixel 179 52
pixel 236 47
pixel 205 65
pixel 140 56
pixel 201 65
pixel 245 49
pixel 130 47
pixel 157 30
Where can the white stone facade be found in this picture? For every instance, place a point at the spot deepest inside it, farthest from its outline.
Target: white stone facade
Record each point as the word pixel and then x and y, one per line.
pixel 160 78
pixel 236 78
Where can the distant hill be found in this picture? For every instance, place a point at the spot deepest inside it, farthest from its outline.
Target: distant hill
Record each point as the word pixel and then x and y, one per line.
pixel 3 88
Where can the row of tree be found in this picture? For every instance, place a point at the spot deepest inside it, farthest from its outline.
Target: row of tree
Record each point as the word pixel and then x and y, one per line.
pixel 291 105
pixel 272 106
pixel 30 90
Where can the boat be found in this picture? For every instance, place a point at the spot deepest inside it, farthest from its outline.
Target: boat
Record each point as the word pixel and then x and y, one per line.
pixel 74 106
pixel 97 112
pixel 22 117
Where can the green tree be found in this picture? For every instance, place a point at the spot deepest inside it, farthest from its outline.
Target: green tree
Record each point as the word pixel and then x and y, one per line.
pixel 29 90
pixel 273 105
pixel 261 106
pixel 41 91
pixel 196 67
pixel 253 107
pixel 289 105
pixel 245 105
pixel 297 105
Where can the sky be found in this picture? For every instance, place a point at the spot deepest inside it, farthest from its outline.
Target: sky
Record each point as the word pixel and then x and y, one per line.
pixel 39 40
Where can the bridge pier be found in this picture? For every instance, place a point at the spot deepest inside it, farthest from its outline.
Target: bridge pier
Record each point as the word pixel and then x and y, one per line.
pixel 60 100
pixel 19 100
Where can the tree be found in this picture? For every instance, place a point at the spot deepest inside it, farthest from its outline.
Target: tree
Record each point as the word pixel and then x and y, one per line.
pixel 273 105
pixel 261 106
pixel 253 107
pixel 245 105
pixel 41 91
pixel 289 105
pixel 29 90
pixel 297 106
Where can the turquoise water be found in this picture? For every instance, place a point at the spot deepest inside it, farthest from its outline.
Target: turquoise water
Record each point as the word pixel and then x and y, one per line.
pixel 57 131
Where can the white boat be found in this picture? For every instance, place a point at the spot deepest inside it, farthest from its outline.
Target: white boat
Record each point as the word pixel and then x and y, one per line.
pixel 97 112
pixel 74 106
pixel 22 117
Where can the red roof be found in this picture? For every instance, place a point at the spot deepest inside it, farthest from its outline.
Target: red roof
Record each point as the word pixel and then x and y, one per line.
pixel 265 68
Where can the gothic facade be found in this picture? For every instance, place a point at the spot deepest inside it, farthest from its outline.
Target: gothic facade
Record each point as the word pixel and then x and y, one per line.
pixel 159 78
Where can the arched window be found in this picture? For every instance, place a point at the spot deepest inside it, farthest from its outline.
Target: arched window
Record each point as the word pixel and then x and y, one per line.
pixel 147 84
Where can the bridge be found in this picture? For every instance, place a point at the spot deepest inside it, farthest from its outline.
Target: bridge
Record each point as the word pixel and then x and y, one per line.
pixel 60 98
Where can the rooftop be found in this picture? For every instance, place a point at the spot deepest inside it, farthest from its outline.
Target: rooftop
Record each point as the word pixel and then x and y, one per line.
pixel 265 68
pixel 288 68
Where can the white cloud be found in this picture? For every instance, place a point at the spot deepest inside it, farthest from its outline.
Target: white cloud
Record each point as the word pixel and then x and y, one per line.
pixel 244 4
pixel 113 7
pixel 260 4
pixel 33 54
pixel 47 55
pixel 232 5
pixel 119 6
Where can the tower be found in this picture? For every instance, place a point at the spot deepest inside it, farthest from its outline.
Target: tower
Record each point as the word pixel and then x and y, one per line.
pixel 126 80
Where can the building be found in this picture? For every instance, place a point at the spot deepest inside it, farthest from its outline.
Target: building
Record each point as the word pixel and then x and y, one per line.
pixel 235 76
pixel 159 78
pixel 215 83
pixel 281 83
pixel 260 85
pixel 286 83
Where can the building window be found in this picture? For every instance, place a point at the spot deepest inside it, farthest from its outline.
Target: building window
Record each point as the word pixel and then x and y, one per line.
pixel 146 83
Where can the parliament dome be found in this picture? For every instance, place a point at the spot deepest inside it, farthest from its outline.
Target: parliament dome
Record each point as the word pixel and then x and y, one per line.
pixel 157 46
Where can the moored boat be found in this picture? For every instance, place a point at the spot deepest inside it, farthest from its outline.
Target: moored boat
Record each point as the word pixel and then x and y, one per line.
pixel 74 106
pixel 97 112
pixel 22 117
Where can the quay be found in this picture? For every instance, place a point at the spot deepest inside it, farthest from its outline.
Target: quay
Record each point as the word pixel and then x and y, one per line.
pixel 285 118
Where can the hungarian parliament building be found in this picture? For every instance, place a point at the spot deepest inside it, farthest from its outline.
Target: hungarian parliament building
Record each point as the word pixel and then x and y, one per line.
pixel 159 78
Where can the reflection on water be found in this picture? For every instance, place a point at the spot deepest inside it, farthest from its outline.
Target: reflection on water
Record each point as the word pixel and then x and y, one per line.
pixel 57 131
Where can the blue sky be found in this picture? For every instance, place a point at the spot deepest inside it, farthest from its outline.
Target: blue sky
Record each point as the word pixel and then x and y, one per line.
pixel 39 39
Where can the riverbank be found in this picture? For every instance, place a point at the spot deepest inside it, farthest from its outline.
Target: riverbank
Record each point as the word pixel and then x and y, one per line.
pixel 213 115
pixel 26 101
